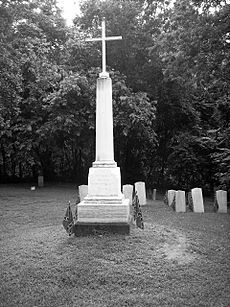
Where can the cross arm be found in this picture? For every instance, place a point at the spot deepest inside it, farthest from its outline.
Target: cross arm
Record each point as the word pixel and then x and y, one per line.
pixel 113 38
pixel 93 39
pixel 110 38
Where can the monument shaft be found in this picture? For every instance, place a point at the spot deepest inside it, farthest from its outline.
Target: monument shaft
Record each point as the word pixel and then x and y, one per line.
pixel 104 202
pixel 104 121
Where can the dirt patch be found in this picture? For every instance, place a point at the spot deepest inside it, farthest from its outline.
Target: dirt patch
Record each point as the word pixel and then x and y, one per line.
pixel 176 248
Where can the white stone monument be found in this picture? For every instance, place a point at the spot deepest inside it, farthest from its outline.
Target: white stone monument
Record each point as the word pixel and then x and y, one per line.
pixel 141 192
pixel 221 199
pixel 171 195
pixel 180 205
pixel 197 200
pixel 104 204
pixel 83 191
pixel 127 190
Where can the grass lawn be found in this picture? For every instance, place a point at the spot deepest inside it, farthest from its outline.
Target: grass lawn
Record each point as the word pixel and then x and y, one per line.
pixel 180 259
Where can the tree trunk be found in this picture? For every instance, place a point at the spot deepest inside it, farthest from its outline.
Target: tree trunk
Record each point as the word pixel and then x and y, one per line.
pixel 4 162
pixel 20 170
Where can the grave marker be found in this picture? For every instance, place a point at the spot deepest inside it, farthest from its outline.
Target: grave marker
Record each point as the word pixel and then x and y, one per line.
pixel 197 199
pixel 171 195
pixel 180 205
pixel 154 194
pixel 221 201
pixel 127 190
pixel 40 181
pixel 141 192
pixel 83 191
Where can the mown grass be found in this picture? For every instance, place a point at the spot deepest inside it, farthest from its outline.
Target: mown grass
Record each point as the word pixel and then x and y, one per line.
pixel 178 260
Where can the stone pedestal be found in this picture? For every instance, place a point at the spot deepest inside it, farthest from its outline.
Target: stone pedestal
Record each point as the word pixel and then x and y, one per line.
pixel 104 204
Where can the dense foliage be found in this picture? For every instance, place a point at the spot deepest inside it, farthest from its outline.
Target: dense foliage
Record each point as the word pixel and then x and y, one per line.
pixel 171 90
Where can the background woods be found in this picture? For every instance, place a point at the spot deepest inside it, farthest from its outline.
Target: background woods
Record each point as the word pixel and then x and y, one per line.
pixel 171 91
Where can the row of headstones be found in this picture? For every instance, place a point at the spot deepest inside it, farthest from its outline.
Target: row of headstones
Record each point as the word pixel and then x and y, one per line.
pixel 177 200
pixel 127 189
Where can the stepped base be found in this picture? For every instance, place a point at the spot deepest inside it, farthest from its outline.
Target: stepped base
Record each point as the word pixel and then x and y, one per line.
pixel 104 212
pixel 84 229
pixel 104 209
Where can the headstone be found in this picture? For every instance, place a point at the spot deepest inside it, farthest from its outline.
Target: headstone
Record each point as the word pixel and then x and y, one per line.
pixel 40 181
pixel 221 201
pixel 171 196
pixel 180 205
pixel 127 190
pixel 83 191
pixel 197 200
pixel 141 192
pixel 104 203
pixel 154 194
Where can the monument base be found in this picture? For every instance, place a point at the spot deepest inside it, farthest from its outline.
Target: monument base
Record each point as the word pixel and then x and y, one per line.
pixel 84 229
pixel 104 208
pixel 107 212
pixel 103 216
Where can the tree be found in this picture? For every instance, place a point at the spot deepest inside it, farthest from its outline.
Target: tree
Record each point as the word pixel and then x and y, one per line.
pixel 170 90
pixel 27 75
pixel 194 49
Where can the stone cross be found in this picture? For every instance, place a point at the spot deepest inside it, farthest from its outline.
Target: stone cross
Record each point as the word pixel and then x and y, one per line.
pixel 103 39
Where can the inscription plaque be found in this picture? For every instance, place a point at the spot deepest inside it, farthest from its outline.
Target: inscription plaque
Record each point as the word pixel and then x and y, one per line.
pixel 104 182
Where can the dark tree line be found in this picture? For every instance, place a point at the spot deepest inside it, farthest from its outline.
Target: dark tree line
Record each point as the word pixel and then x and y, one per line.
pixel 171 91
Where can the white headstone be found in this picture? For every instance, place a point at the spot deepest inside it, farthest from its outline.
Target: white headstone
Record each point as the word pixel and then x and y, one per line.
pixel 141 192
pixel 83 191
pixel 197 199
pixel 180 205
pixel 154 194
pixel 40 181
pixel 171 195
pixel 221 198
pixel 127 190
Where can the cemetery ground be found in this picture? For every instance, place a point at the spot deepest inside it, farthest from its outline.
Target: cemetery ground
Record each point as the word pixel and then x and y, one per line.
pixel 179 259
